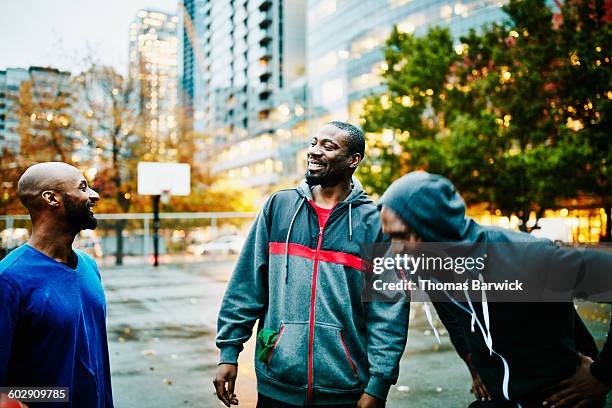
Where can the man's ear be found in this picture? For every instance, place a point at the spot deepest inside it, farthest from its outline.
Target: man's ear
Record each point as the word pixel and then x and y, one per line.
pixel 355 160
pixel 51 198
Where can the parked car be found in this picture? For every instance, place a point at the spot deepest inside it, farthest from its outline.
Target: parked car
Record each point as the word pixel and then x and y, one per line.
pixel 558 230
pixel 228 244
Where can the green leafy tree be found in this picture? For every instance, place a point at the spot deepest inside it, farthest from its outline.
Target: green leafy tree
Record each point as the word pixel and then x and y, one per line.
pixel 492 113
pixel 583 97
pixel 410 117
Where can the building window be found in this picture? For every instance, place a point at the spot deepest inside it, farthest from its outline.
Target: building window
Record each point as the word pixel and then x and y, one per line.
pixel 332 91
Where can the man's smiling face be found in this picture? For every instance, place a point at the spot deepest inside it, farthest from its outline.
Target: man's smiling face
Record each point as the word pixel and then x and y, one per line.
pixel 79 200
pixel 329 159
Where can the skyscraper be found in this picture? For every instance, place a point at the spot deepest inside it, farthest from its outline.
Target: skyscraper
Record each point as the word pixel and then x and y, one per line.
pixel 153 68
pixel 237 56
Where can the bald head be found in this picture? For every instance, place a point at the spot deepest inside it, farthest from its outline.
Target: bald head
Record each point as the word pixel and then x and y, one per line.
pixel 45 176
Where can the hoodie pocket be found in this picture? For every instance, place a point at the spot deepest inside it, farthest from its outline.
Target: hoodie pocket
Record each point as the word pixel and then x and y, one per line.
pixel 288 357
pixel 334 366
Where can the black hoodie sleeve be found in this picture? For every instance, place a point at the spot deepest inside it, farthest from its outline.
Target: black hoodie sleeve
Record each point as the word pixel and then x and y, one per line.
pixel 590 270
pixel 454 327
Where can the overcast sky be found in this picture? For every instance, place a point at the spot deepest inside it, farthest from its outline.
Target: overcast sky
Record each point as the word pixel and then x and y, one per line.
pixel 57 33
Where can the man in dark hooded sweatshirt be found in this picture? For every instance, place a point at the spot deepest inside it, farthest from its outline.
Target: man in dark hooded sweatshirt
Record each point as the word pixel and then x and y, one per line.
pixel 534 355
pixel 300 275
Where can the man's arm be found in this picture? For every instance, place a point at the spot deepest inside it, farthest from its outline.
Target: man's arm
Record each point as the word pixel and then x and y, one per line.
pixel 9 313
pixel 458 338
pixel 387 318
pixel 387 326
pixel 592 380
pixel 453 327
pixel 244 302
pixel 246 294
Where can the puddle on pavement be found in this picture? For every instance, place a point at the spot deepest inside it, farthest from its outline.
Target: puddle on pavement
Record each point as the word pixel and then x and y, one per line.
pixel 123 333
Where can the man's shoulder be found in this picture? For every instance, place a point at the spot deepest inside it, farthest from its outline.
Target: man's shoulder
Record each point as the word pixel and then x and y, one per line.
pixel 281 197
pixel 13 265
pixel 14 260
pixel 90 262
pixel 498 234
pixel 84 255
pixel 284 194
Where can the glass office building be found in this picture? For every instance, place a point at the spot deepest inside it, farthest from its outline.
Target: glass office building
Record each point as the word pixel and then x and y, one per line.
pixel 345 38
pixel 153 68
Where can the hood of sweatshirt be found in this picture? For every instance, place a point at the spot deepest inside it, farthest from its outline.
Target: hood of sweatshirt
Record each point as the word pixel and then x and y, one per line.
pixel 356 197
pixel 431 206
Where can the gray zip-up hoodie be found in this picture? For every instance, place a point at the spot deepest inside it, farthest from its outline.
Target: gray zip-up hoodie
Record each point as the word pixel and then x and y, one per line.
pixel 306 283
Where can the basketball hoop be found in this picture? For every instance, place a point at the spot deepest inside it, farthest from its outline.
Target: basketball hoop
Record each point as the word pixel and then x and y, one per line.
pixel 161 181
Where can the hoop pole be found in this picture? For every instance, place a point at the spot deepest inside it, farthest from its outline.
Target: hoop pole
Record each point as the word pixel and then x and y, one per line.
pixel 156 225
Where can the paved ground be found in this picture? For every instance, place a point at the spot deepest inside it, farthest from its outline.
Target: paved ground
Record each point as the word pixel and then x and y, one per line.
pixel 161 333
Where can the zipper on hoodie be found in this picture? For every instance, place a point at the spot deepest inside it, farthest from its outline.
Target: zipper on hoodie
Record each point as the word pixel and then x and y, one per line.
pixel 312 313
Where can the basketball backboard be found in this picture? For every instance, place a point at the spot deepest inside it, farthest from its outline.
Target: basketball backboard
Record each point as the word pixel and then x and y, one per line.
pixel 164 178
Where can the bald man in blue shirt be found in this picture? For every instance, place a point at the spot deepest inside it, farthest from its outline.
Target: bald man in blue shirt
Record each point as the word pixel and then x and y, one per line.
pixel 52 304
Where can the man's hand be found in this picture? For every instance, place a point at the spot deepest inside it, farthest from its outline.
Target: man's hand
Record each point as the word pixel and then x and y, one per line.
pixel 368 401
pixel 580 390
pixel 226 373
pixel 479 389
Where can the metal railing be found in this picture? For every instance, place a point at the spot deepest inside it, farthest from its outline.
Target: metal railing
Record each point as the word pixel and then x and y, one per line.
pixel 212 219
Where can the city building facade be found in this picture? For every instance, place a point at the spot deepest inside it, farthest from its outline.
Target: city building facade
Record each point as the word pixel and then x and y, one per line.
pixel 344 42
pixel 236 56
pixel 153 66
pixel 36 110
pixel 10 86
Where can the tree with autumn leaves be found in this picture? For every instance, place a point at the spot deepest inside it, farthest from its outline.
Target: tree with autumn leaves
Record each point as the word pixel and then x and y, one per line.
pixel 93 121
pixel 517 115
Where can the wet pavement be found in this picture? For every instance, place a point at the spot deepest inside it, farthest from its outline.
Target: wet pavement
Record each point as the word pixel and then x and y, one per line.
pixel 161 327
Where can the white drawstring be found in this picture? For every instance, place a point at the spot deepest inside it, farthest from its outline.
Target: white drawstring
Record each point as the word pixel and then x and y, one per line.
pixel 350 221
pixel 430 320
pixel 287 240
pixel 485 316
pixel 487 336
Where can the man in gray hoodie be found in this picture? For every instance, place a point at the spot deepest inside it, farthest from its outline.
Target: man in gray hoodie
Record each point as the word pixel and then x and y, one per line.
pixel 529 354
pixel 300 275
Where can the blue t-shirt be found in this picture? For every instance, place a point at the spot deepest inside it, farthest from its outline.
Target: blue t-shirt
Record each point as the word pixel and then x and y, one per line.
pixel 53 327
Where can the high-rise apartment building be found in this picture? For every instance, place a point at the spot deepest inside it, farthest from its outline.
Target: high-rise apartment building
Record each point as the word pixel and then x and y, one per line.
pixel 237 56
pixel 10 85
pixel 36 110
pixel 260 128
pixel 153 68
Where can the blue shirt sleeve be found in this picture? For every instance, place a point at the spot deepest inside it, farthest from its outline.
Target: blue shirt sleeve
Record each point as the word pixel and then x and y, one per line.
pixel 9 314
